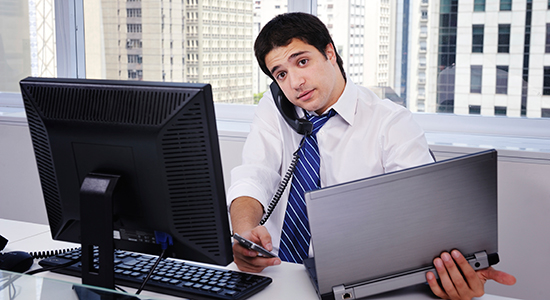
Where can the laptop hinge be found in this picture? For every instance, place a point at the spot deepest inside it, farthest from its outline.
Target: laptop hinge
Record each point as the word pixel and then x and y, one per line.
pixel 479 260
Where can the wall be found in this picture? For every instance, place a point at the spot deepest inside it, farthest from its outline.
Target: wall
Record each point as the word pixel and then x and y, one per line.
pixel 524 207
pixel 524 203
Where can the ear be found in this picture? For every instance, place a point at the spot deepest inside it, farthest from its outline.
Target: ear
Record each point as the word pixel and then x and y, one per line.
pixel 330 52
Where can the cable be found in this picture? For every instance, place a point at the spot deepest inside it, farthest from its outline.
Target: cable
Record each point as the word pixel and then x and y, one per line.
pixel 71 262
pixel 164 240
pixel 46 254
pixel 282 186
pixel 150 272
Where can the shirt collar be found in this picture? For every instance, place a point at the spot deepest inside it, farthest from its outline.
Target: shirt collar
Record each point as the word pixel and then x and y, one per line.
pixel 345 106
pixel 347 103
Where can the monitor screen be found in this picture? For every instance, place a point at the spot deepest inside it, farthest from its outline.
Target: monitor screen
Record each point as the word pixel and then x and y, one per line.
pixel 160 139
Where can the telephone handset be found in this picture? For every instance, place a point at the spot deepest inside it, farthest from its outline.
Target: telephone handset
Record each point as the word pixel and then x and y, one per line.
pixel 288 111
pixel 301 126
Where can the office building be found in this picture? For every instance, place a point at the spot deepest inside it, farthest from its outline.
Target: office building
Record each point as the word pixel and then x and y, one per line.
pixel 345 21
pixel 187 41
pixel 219 44
pixel 482 57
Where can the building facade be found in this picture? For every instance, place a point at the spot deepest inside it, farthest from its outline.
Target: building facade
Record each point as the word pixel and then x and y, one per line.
pixel 489 57
pixel 206 41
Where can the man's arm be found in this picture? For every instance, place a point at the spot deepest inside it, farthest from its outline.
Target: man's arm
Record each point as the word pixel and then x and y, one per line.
pixel 246 213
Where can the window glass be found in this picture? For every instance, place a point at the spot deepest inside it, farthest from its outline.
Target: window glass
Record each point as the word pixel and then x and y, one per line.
pixel 27 42
pixel 474 109
pixel 475 79
pixel 502 80
pixel 411 59
pixel 504 38
pixel 500 110
pixel 477 38
pixel 175 41
pixel 505 4
pixel 479 5
pixel 546 83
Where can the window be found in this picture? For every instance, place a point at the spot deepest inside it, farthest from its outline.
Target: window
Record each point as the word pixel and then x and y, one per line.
pixel 500 110
pixel 134 59
pixel 474 109
pixel 423 46
pixel 546 82
pixel 547 46
pixel 133 43
pixel 477 38
pixel 424 15
pixel 135 74
pixel 505 4
pixel 422 61
pixel 502 80
pixel 424 30
pixel 475 79
pixel 133 13
pixel 207 28
pixel 504 38
pixel 479 5
pixel 133 27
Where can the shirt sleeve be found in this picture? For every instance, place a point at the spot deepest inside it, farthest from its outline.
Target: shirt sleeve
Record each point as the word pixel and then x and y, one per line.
pixel 403 142
pixel 259 174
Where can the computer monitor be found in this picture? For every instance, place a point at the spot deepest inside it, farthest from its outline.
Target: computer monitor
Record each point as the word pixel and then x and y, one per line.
pixel 157 140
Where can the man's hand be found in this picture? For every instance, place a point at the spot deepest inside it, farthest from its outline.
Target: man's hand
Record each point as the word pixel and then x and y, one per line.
pixel 248 260
pixel 459 280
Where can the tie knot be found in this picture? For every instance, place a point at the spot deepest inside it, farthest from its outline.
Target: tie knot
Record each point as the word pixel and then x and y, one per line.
pixel 319 121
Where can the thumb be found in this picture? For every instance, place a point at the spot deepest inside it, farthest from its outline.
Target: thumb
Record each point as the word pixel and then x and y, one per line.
pixel 498 276
pixel 263 235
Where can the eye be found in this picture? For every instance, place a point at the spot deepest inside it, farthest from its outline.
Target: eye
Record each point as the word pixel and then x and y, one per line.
pixel 281 75
pixel 302 61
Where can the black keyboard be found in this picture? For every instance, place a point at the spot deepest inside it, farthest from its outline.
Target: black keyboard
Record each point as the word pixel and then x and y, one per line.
pixel 171 277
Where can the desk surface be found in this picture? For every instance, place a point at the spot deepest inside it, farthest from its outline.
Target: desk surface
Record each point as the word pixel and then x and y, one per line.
pixel 290 281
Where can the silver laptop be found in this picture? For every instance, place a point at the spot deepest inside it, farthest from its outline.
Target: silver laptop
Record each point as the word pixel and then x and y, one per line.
pixel 382 233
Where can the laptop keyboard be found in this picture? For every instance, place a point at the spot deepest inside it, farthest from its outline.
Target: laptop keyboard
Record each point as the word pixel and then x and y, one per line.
pixel 171 277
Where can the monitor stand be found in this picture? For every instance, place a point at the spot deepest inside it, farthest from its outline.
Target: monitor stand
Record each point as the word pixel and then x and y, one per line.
pixel 86 293
pixel 96 229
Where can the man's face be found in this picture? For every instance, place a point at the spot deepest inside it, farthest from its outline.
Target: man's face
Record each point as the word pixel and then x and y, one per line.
pixel 307 78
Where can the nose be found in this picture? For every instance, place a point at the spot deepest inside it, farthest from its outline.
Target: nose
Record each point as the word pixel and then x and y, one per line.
pixel 296 80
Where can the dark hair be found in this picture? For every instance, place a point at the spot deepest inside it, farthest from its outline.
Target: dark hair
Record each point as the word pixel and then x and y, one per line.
pixel 280 31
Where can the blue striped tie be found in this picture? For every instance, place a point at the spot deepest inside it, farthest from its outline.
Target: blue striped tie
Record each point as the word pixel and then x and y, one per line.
pixel 295 236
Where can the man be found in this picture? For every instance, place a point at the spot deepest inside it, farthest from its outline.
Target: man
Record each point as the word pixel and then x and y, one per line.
pixel 362 136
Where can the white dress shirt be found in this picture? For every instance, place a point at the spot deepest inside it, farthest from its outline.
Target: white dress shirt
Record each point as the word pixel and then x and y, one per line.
pixel 368 137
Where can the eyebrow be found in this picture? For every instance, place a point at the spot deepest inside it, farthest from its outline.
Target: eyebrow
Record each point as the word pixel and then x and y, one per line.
pixel 293 55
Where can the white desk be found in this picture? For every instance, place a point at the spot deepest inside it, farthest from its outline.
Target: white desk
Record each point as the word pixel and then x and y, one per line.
pixel 290 281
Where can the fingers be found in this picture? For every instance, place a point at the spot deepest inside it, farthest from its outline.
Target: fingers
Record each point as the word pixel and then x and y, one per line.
pixel 458 279
pixel 263 237
pixel 248 260
pixel 434 285
pixel 498 276
pixel 472 282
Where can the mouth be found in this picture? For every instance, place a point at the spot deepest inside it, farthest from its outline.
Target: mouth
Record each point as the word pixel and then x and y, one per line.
pixel 305 95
